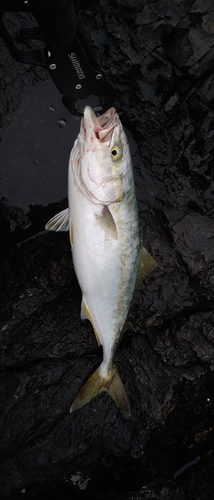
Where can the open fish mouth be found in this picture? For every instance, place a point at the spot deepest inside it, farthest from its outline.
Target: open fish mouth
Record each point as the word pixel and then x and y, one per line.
pixel 102 126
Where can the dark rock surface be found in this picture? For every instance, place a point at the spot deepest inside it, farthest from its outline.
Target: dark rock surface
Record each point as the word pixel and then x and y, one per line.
pixel 160 56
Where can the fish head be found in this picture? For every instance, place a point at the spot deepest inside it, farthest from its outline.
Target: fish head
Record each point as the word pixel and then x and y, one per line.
pixel 104 163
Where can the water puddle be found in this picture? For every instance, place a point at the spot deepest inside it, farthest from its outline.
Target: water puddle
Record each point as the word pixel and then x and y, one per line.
pixel 34 155
pixel 35 149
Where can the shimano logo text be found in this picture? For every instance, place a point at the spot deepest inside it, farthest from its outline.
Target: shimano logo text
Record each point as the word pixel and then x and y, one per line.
pixel 76 65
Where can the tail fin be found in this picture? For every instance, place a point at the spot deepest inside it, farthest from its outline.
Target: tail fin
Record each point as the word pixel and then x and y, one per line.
pixel 98 383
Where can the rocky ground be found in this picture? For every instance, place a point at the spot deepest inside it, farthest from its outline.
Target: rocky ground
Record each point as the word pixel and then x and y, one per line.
pixel 160 56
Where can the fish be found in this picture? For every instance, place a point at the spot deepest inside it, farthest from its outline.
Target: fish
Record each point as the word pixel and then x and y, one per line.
pixel 109 258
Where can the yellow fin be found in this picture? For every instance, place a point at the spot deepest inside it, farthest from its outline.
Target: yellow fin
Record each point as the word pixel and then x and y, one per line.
pixel 85 314
pixel 106 222
pixel 147 264
pixel 60 221
pixel 71 234
pixel 96 384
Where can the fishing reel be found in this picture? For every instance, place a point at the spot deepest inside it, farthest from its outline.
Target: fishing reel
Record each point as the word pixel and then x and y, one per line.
pixel 74 68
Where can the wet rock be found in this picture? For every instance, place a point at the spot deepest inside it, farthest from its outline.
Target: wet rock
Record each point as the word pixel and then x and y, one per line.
pixel 194 239
pixel 16 77
pixel 160 57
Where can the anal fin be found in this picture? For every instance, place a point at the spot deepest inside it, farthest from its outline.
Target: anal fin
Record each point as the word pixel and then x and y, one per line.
pixel 85 314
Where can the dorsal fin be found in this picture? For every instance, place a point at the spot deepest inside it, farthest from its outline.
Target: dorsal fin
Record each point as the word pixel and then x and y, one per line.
pixel 147 264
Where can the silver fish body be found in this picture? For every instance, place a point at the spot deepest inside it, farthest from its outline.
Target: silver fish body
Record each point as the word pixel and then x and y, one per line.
pixel 105 235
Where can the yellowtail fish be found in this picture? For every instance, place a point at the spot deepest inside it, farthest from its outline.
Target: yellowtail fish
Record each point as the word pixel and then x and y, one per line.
pixel 108 256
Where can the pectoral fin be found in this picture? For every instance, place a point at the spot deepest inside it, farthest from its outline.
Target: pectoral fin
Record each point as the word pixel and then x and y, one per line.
pixel 147 264
pixel 60 221
pixel 106 222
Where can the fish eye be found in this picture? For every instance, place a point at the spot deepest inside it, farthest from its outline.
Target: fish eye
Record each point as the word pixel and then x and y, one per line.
pixel 116 153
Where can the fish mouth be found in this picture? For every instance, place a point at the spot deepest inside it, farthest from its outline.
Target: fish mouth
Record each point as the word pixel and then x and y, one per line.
pixel 102 126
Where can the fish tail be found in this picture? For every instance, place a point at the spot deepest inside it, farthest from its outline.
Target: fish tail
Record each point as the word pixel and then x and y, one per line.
pixel 98 382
